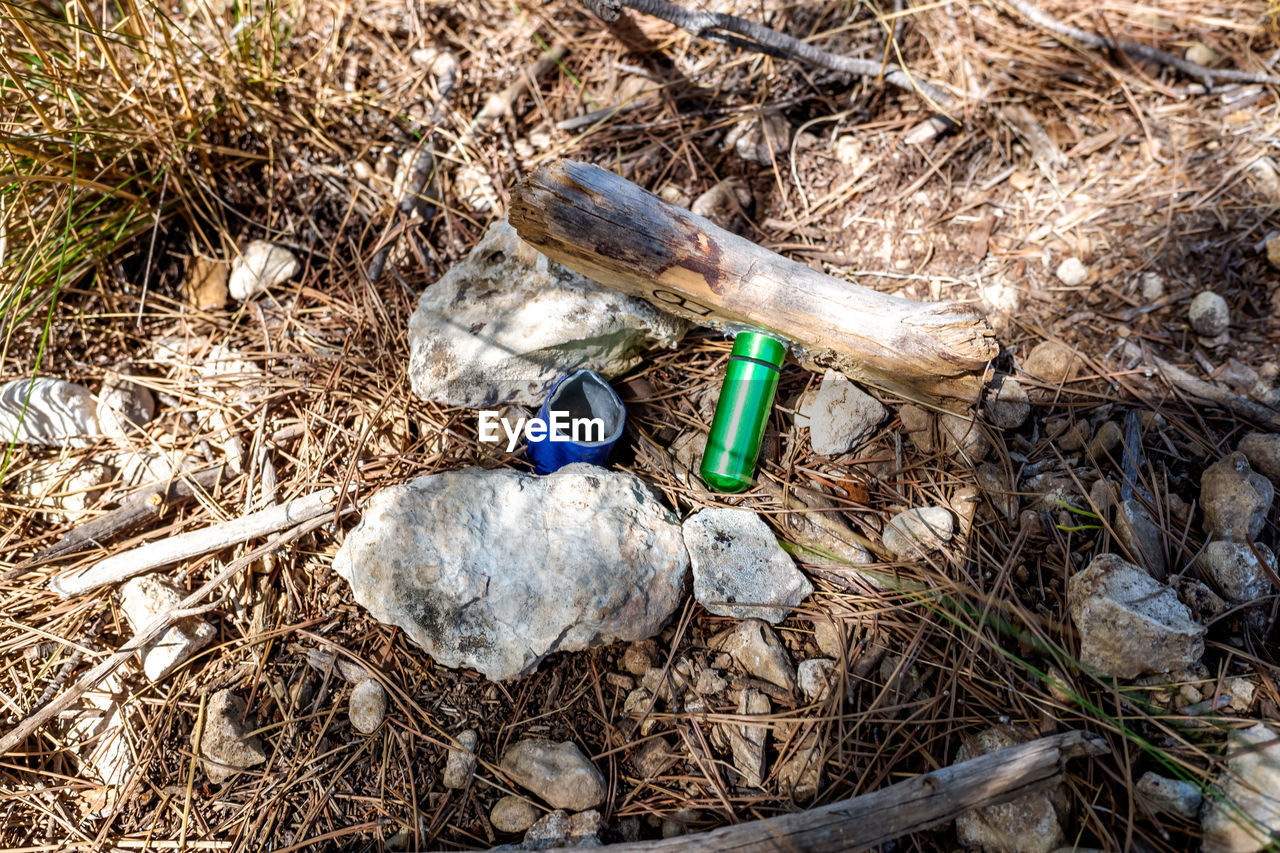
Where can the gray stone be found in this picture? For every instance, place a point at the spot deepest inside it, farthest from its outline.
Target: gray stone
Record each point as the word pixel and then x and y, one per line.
pixel 367 706
pixel 97 731
pixel 1236 570
pixel 557 772
pixel 747 741
pixel 1245 814
pixel 639 657
pixel 1141 535
pixel 1072 272
pixel 800 773
pixel 227 744
pixel 503 324
pixel 840 415
pixel 1008 405
pixel 1025 824
pixel 1052 362
pixel 757 649
pixel 47 411
pixel 678 822
pixel 947 432
pixel 262 265
pixel 561 829
pixel 816 677
pixel 1263 452
pixel 1235 498
pixel 512 814
pixel 1205 604
pixel 761 139
pixel 1201 54
pixel 1171 796
pixel 1129 623
pixel 1152 287
pixel 123 406
pixel 460 766
pixel 457 558
pixel 1209 314
pixel 739 569
pixel 915 532
pixel 653 758
pixel 62 488
pixel 148 598
pixel 725 203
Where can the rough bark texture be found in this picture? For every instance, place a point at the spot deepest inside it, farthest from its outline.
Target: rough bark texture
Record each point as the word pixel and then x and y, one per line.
pixel 611 230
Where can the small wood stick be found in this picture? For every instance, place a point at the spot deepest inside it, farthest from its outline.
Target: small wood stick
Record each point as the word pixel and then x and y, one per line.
pixel 213 538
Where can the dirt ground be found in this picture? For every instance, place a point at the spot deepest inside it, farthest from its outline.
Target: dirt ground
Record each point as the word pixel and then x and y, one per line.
pixel 200 129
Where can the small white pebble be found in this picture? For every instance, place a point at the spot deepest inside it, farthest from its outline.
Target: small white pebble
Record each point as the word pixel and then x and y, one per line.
pixel 368 705
pixel 1209 314
pixel 1072 272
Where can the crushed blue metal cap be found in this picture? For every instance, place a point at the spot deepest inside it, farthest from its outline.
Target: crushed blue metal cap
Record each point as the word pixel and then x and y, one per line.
pixel 584 418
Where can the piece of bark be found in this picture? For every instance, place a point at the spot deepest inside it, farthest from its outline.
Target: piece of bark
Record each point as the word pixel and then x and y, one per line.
pixel 186 545
pixel 910 806
pixel 627 238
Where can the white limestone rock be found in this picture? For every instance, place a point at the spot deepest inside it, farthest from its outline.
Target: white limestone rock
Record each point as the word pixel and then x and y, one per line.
pixel 557 772
pixel 62 488
pixel 915 532
pixel 227 743
pixel 755 647
pixel 1209 314
pixel 513 814
pixel 1072 272
pixel 147 598
pixel 261 266
pixel 739 569
pixel 1250 816
pixel 368 706
pixel 503 324
pixel 123 406
pixel 840 415
pixel 47 411
pixel 1129 623
pixel 1236 499
pixel 460 766
pixel 1240 575
pixel 495 569
pixel 816 677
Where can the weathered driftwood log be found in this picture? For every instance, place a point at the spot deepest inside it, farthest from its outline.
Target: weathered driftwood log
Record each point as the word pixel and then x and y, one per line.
pixel 611 230
pixel 911 806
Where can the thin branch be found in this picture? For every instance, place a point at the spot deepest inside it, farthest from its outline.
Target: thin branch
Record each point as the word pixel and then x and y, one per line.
pixel 1209 76
pixel 749 35
pixel 215 537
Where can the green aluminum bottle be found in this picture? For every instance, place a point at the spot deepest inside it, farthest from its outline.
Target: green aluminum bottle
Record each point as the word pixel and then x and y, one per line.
pixel 729 464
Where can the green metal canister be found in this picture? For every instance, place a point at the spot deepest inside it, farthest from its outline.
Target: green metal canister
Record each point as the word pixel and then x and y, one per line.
pixel 729 463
